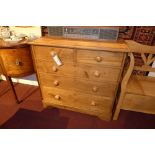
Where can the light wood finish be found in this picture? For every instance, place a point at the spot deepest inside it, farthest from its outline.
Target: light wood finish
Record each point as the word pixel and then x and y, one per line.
pixel 66 55
pixel 118 46
pixel 106 89
pixel 86 71
pixel 100 57
pixel 141 85
pixel 138 92
pixel 88 79
pixel 86 103
pixel 144 68
pixel 123 86
pixel 135 47
pixel 139 103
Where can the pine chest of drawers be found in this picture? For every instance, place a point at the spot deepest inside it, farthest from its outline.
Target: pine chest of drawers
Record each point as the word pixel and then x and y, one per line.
pixel 88 79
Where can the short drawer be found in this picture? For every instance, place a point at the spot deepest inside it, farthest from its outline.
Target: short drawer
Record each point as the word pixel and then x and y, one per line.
pixel 87 72
pixel 104 89
pixel 50 67
pixel 17 62
pixel 44 53
pixel 98 73
pixel 25 68
pixel 105 58
pixel 88 103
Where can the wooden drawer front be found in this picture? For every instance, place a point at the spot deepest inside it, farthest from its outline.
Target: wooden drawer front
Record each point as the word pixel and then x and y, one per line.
pixel 139 103
pixel 87 72
pixel 17 61
pixel 105 89
pixel 10 55
pixel 100 57
pixel 44 53
pixel 98 73
pixel 50 67
pixel 87 103
pixel 23 70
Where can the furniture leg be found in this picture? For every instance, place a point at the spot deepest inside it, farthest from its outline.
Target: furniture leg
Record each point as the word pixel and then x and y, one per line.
pixel 13 89
pixel 124 85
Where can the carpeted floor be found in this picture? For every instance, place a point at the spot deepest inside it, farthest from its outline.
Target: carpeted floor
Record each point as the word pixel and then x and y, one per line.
pixel 31 115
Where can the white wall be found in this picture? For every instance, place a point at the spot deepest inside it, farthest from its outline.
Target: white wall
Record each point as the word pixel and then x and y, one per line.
pixel 29 31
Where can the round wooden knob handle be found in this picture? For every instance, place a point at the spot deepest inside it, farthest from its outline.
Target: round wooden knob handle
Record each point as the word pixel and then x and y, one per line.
pixel 56 82
pixel 98 59
pixel 95 89
pixel 97 73
pixel 93 103
pixel 55 69
pixel 57 97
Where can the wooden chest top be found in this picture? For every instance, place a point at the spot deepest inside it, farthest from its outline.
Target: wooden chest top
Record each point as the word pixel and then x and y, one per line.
pixel 118 46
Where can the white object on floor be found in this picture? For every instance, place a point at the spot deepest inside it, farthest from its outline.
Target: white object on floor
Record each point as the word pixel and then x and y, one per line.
pixel 30 80
pixel 152 73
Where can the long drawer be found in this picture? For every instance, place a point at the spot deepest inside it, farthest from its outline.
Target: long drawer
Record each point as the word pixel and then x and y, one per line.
pixel 106 89
pixel 88 103
pixel 85 71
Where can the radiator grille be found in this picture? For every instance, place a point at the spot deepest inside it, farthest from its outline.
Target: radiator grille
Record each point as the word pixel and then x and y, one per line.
pixel 55 30
pixel 108 34
pixel 84 33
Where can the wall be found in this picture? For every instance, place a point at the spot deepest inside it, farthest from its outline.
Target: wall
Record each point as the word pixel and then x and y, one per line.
pixel 27 30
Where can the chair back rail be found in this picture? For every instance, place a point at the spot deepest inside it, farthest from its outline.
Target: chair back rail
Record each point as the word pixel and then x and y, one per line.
pixel 147 54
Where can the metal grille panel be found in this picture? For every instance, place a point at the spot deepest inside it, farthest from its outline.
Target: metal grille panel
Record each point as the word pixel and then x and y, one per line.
pixel 84 33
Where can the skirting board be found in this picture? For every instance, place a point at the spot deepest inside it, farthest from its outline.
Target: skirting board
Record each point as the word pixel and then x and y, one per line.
pixel 30 80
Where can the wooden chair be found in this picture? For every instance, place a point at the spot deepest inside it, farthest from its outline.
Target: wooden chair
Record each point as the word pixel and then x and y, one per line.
pixel 138 91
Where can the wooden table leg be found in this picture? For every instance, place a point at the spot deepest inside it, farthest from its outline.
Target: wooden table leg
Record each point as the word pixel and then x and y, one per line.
pixel 12 88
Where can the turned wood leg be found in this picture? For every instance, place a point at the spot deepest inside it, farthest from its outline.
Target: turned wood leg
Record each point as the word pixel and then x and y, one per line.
pixel 12 88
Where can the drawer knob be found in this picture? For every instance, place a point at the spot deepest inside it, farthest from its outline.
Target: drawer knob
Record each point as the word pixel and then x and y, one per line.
pixel 98 59
pixel 93 103
pixel 55 69
pixel 56 83
pixel 95 89
pixel 57 97
pixel 97 73
pixel 18 62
